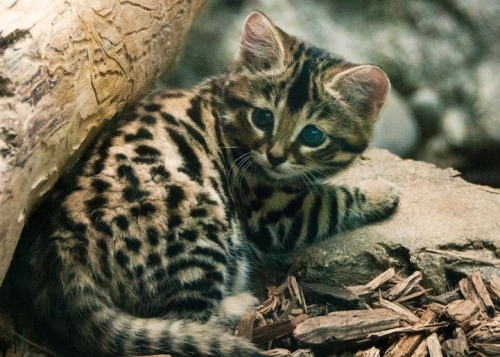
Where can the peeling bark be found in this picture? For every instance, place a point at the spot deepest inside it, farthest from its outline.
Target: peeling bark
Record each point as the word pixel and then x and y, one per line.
pixel 65 68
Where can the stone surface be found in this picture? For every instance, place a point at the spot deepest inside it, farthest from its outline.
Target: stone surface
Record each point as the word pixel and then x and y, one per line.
pixel 439 217
pixel 65 68
pixel 396 117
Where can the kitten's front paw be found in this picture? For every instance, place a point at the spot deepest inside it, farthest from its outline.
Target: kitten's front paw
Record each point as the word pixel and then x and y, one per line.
pixel 380 198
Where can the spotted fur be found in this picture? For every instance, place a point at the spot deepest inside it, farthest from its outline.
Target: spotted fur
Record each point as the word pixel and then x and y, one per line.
pixel 145 247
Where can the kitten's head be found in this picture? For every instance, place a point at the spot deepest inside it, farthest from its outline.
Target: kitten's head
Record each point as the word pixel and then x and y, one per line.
pixel 296 110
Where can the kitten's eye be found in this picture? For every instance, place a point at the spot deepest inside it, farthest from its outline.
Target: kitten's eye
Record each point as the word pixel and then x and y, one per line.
pixel 312 136
pixel 263 118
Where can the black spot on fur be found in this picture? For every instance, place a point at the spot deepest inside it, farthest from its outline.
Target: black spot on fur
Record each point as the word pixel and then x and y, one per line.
pixel 175 195
pixel 153 259
pixel 148 119
pixel 160 171
pixel 175 249
pixel 194 112
pixel 121 258
pixel 192 165
pixel 299 91
pixel 127 172
pixel 146 150
pixel 95 203
pixel 169 118
pixel 152 235
pixel 120 157
pixel 104 253
pixel 152 107
pixel 198 212
pixel 100 185
pixel 174 222
pixel 132 194
pixel 133 244
pixel 189 234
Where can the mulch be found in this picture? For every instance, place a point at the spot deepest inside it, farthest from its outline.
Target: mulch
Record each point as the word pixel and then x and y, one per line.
pixel 392 316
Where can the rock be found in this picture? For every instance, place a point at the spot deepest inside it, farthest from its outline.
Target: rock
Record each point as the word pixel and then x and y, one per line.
pixel 456 127
pixel 396 129
pixel 428 108
pixel 443 227
pixel 488 105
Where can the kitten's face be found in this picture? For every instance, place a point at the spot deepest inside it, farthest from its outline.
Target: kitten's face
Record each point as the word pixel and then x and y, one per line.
pixel 295 111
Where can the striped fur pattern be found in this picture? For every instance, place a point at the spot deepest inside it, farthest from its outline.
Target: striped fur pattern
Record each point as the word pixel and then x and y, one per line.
pixel 145 247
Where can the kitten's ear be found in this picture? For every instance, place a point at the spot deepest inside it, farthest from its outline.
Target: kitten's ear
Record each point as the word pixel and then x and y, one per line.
pixel 261 45
pixel 364 87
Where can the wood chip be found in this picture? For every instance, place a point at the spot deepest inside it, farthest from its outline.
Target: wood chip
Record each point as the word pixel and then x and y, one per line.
pixel 459 335
pixel 404 287
pixel 398 308
pixel 372 352
pixel 469 292
pixel 447 297
pixel 421 350
pixel 487 332
pixel 489 349
pixel 408 330
pixel 434 346
pixel 269 332
pixel 454 348
pixel 495 286
pixel 245 327
pixel 407 344
pixel 481 290
pixel 321 293
pixel 463 312
pixel 373 284
pixel 342 326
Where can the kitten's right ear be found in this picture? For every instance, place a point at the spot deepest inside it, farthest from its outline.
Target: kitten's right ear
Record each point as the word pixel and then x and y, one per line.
pixel 261 45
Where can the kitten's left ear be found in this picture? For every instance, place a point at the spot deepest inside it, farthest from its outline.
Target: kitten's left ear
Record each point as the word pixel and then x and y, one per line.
pixel 364 87
pixel 261 44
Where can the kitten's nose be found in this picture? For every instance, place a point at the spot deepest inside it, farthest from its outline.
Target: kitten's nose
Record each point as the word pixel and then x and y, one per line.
pixel 275 159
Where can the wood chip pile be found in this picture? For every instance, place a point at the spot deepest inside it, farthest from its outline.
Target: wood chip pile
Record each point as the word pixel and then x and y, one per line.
pixel 391 316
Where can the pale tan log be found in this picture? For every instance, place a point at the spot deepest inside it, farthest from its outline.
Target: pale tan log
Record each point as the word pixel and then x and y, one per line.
pixel 66 67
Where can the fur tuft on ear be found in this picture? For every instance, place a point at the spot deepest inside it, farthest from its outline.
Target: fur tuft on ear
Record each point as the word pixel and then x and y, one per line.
pixel 261 46
pixel 364 87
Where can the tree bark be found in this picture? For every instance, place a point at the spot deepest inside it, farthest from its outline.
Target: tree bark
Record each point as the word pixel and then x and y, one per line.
pixel 65 68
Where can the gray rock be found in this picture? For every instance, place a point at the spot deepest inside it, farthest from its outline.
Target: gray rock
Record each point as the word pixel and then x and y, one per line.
pixel 428 108
pixel 396 129
pixel 440 218
pixel 488 99
pixel 456 127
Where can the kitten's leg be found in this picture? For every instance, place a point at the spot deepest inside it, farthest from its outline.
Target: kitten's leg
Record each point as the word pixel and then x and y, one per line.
pixel 370 201
pixel 305 217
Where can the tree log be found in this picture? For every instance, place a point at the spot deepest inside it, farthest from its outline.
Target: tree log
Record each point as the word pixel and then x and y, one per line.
pixel 65 68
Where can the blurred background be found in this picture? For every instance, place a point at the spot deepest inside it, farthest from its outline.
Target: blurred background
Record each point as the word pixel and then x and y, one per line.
pixel 443 58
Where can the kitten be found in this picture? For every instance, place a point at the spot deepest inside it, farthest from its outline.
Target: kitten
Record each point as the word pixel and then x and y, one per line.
pixel 145 247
